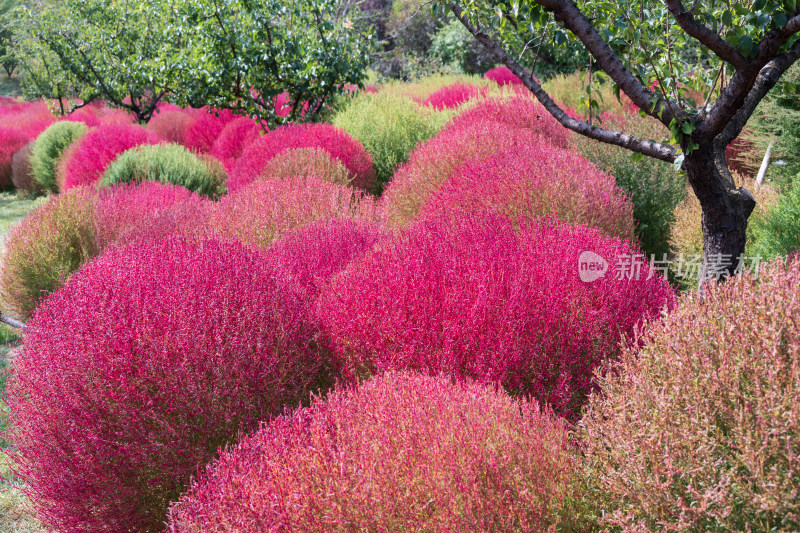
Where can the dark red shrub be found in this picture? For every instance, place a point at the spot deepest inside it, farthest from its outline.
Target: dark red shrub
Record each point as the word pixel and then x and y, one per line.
pixel 146 362
pixel 481 297
pixel 11 141
pixel 233 139
pixel 537 180
pixel 452 96
pixel 339 144
pixel 22 173
pixel 171 125
pixel 502 75
pixel 403 452
pixel 127 212
pixel 203 132
pixel 98 148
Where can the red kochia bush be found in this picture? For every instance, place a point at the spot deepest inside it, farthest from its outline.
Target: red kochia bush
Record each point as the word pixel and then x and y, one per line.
pixel 203 132
pixel 146 362
pixel 98 148
pixel 476 296
pixel 403 452
pixel 502 75
pixel 171 125
pixel 11 141
pixel 515 111
pixel 535 181
pixel 339 144
pixel 127 212
pixel 233 139
pixel 313 253
pixel 265 211
pixel 454 95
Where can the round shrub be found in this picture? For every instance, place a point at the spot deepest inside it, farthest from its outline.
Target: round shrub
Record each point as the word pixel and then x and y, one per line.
pixel 167 163
pixel 12 140
pixel 389 127
pixel 315 252
pixel 158 354
pixel 403 452
pixel 233 139
pixel 85 115
pixel 203 132
pixel 302 162
pixel 452 96
pixel 514 111
pixel 171 125
pixel 99 148
pixel 339 144
pixel 502 75
pixel 699 429
pixel 481 297
pixel 115 117
pixel 433 162
pixel 45 249
pixel 131 211
pixel 264 211
pixel 22 172
pixel 48 148
pixel 537 181
pixel 776 227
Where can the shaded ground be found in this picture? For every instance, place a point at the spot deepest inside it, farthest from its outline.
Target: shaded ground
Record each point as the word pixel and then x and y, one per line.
pixel 10 86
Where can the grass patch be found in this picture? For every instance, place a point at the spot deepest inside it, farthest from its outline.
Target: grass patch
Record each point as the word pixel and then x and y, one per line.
pixel 9 86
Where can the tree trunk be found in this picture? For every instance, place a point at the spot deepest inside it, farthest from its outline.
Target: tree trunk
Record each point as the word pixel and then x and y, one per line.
pixel 726 209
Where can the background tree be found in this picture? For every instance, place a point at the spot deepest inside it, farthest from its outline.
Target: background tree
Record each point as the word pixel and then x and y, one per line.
pixel 242 54
pixel 734 51
pixel 7 57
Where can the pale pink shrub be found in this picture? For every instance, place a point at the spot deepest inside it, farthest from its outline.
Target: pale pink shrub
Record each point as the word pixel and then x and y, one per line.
pixel 481 297
pixel 266 210
pixel 171 125
pixel 203 132
pixel 300 162
pixel 339 144
pixel 403 452
pixel 98 148
pixel 115 117
pixel 537 181
pixel 128 212
pixel 88 115
pixel 146 362
pixel 452 96
pixel 432 163
pixel 698 430
pixel 233 139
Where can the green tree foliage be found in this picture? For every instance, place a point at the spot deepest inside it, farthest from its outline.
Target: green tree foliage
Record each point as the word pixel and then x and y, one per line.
pixel 242 54
pixel 8 59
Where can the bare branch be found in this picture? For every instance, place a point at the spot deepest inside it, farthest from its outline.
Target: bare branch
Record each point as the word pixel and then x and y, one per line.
pixel 649 148
pixel 705 35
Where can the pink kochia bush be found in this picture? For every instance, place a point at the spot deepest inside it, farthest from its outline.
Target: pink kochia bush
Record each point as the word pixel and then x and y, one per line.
pixel 98 148
pixel 233 139
pixel 145 363
pixel 172 124
pixel 314 253
pixel 128 212
pixel 402 452
pixel 451 96
pixel 481 297
pixel 502 75
pixel 12 140
pixel 204 131
pixel 339 144
pixel 536 181
pixel 264 211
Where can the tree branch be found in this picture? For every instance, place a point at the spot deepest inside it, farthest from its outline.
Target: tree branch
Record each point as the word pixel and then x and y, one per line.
pixel 649 148
pixel 705 35
pixel 767 79
pixel 576 22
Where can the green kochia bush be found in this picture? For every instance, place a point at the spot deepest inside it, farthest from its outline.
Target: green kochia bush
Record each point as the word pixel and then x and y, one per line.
pixel 778 231
pixel 699 430
pixel 167 163
pixel 48 148
pixel 389 126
